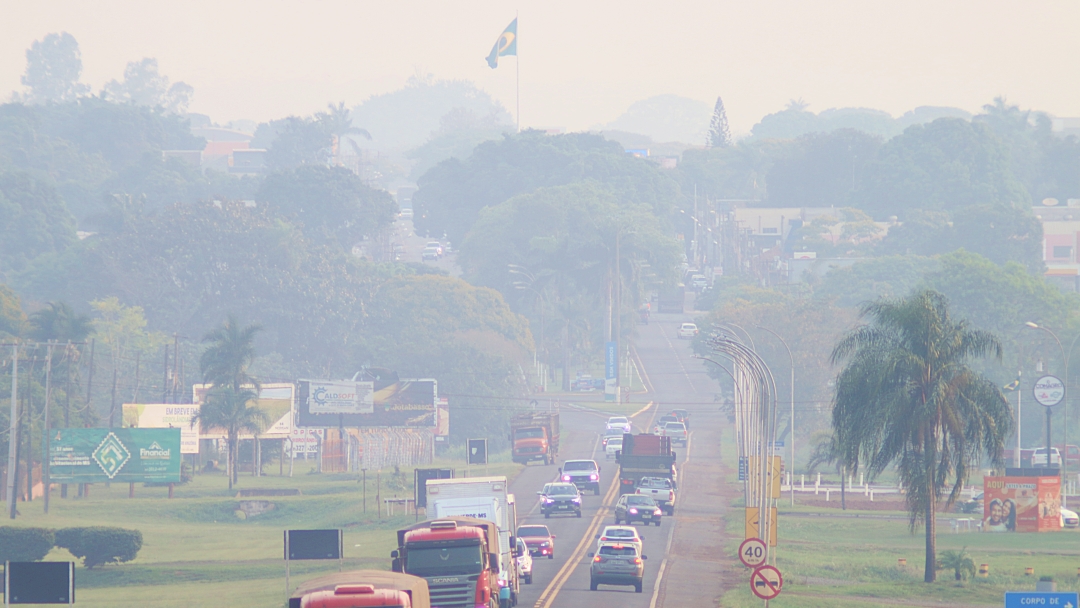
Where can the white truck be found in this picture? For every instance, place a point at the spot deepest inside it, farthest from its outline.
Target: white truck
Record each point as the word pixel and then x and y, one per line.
pixel 482 498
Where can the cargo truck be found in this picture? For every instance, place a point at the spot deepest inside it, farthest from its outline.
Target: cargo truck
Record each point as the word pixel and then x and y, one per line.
pixel 458 558
pixel 644 455
pixel 672 300
pixel 535 436
pixel 362 588
pixel 482 498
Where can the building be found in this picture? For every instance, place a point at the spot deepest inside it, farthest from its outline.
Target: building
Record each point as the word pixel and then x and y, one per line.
pixel 1061 236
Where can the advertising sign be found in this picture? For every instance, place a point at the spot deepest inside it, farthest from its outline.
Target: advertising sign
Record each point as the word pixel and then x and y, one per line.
pixel 275 400
pixel 1049 391
pixel 340 397
pixel 611 370
pixel 400 404
pixel 1021 504
pixel 120 455
pixel 442 426
pixel 165 416
pixel 306 441
pixel 1026 599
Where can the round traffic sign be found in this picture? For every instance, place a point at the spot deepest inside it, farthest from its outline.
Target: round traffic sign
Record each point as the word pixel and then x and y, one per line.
pixel 766 582
pixel 752 552
pixel 1049 391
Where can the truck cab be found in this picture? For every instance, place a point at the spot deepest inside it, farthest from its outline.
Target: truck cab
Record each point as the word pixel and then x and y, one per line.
pixel 535 436
pixel 360 589
pixel 459 561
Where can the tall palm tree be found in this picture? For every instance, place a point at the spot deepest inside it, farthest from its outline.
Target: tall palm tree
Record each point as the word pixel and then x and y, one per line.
pixel 907 397
pixel 232 350
pixel 59 323
pixel 337 122
pixel 227 409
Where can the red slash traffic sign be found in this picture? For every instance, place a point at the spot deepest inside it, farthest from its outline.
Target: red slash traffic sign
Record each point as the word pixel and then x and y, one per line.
pixel 766 582
pixel 752 552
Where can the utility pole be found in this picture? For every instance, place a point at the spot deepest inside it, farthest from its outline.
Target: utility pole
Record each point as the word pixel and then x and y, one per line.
pixel 165 378
pixel 13 444
pixel 618 313
pixel 45 447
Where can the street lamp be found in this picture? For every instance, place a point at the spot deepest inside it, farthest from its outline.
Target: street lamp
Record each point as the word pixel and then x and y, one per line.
pixel 792 362
pixel 527 285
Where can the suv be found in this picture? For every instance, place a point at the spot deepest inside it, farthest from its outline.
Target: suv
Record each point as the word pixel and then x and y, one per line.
pixel 636 507
pixel 677 432
pixel 661 490
pixel 614 535
pixel 658 429
pixel 585 474
pixel 539 540
pixel 560 498
pixel 620 422
pixel 429 253
pixel 683 416
pixel 617 564
pixel 610 434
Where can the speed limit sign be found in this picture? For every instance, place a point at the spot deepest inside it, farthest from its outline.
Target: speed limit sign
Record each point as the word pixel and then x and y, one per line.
pixel 752 552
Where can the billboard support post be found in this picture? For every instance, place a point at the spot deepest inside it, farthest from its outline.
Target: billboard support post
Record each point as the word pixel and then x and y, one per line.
pixel 45 444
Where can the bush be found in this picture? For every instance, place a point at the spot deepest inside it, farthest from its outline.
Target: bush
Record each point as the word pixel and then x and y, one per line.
pixel 24 544
pixel 100 545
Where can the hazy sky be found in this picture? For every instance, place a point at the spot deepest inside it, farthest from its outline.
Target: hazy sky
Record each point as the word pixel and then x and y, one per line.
pixel 582 63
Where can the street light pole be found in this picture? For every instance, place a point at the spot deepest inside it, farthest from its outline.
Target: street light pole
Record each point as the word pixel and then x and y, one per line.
pixel 1049 443
pixel 792 362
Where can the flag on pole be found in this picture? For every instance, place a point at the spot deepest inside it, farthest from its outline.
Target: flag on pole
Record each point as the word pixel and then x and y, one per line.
pixel 1012 386
pixel 505 45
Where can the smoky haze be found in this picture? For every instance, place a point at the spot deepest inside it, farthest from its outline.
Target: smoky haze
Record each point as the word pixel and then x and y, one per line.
pixel 582 64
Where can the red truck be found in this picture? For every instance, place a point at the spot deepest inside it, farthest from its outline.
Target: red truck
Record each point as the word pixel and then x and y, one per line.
pixel 645 455
pixel 535 436
pixel 458 557
pixel 361 589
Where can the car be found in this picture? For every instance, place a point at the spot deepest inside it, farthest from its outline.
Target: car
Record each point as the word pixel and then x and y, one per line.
pixel 687 331
pixel 617 564
pixel 586 383
pixel 610 434
pixel 626 535
pixel 677 432
pixel 539 540
pixel 1069 519
pixel 612 446
pixel 406 214
pixel 683 417
pixel 1038 458
pixel 524 562
pixel 698 282
pixel 620 422
pixel 662 491
pixel 437 245
pixel 635 507
pixel 429 253
pixel 662 422
pixel 585 474
pixel 560 497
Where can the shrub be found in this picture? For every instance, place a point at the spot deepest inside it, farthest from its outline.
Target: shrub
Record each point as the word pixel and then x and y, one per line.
pixel 100 545
pixel 24 544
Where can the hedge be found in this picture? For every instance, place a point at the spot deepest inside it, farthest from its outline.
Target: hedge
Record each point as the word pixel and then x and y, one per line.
pixel 100 545
pixel 24 544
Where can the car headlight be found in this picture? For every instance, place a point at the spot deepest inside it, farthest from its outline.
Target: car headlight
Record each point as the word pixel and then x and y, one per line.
pixel 566 478
pixel 545 545
pixel 656 512
pixel 548 500
pixel 594 477
pixel 633 510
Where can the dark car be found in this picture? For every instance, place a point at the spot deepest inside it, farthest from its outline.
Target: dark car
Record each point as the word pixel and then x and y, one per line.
pixel 585 474
pixel 558 498
pixel 539 540
pixel 616 564
pixel 683 416
pixel 636 507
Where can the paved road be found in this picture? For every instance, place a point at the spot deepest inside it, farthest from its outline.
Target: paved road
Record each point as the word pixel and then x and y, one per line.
pixel 684 567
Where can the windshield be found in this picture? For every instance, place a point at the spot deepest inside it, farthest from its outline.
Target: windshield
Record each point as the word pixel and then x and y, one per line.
pixel 615 441
pixel 561 490
pixel 655 482
pixel 620 533
pixel 615 432
pixel 579 466
pixel 617 420
pixel 640 500
pixel 463 558
pixel 533 531
pixel 533 433
pixel 612 550
pixel 675 426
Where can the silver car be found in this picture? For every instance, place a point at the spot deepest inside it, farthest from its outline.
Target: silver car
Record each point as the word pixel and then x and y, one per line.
pixel 617 564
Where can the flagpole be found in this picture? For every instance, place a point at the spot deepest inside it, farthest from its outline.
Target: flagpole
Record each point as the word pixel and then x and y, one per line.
pixel 517 86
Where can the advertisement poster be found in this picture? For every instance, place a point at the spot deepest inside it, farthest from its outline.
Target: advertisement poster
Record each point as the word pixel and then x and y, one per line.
pixel 340 397
pixel 275 400
pixel 165 416
pixel 399 404
pixel 1021 504
pixel 306 441
pixel 120 455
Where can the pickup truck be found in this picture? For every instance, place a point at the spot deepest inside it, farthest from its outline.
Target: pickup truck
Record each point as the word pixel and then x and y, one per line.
pixel 661 491
pixel 677 432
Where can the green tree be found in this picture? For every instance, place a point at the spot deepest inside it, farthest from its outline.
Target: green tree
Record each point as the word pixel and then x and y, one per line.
pixel 719 135
pixel 53 68
pixel 229 354
pixel 33 220
pixel 143 85
pixel 229 410
pixel 820 169
pixel 908 398
pixel 122 332
pixel 959 562
pixel 12 317
pixel 295 141
pixel 59 323
pixel 338 123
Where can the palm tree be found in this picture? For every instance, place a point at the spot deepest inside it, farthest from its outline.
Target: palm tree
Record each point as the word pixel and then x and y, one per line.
pixel 959 562
pixel 59 323
pixel 827 450
pixel 225 362
pixel 908 398
pixel 337 122
pixel 227 409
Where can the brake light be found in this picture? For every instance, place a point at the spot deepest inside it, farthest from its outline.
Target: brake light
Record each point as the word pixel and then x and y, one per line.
pixel 637 560
pixel 596 559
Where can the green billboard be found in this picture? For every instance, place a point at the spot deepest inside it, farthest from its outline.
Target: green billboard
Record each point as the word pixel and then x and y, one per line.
pixel 121 455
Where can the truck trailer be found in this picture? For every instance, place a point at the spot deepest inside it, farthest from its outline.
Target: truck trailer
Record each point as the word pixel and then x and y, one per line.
pixel 644 455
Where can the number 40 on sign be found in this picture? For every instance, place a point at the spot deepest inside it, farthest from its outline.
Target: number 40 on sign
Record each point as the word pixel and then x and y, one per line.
pixel 752 552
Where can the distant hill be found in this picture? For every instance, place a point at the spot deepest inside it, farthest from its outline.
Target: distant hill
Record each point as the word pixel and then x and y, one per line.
pixel 665 118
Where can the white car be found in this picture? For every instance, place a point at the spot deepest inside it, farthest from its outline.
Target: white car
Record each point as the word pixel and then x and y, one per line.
pixel 406 214
pixel 687 331
pixel 1069 519
pixel 437 245
pixel 429 253
pixel 698 282
pixel 524 562
pixel 619 422
pixel 623 535
pixel 677 432
pixel 613 445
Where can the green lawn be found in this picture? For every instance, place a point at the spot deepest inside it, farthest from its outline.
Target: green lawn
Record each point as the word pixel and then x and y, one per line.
pixel 197 551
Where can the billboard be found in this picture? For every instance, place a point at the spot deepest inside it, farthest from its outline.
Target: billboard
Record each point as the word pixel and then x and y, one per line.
pixel 400 404
pixel 120 455
pixel 340 397
pixel 1021 504
pixel 275 400
pixel 165 416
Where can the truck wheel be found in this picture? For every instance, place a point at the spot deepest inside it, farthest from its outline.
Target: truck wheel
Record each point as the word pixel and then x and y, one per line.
pixel 637 587
pixel 547 515
pixel 528 578
pixel 579 513
pixel 592 585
